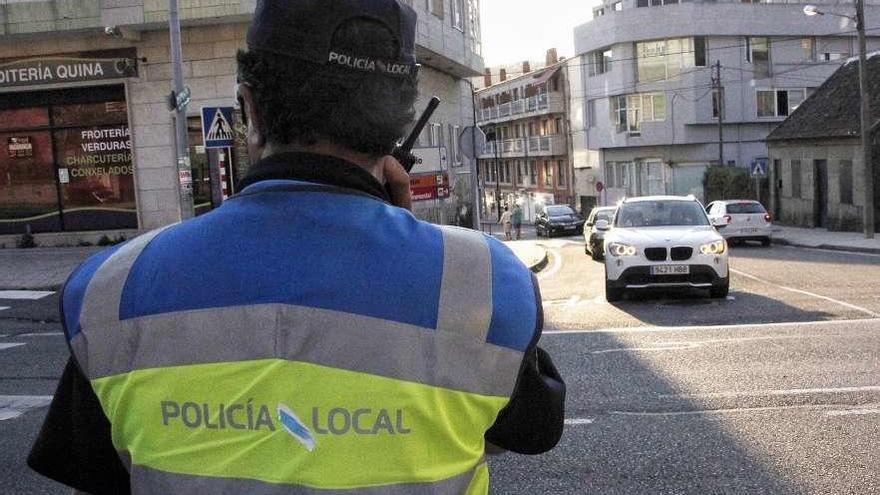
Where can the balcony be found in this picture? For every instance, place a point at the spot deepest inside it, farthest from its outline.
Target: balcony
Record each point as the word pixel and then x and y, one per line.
pixel 534 105
pixel 550 145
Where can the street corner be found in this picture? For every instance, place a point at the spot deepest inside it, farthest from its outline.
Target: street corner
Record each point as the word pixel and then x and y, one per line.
pixel 532 255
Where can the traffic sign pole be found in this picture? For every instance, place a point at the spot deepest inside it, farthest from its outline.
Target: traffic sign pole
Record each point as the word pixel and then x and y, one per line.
pixel 184 170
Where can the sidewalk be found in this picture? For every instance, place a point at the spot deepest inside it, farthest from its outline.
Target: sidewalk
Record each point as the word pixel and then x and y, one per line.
pixel 40 268
pixel 823 239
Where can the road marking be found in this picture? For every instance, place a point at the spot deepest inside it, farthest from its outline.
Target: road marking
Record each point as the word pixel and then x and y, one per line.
pixel 2 308
pixel 799 291
pixel 41 334
pixel 718 411
pixel 579 421
pixel 24 294
pixel 13 406
pixel 752 326
pixel 10 345
pixel 557 264
pixel 775 393
pixel 832 251
pixel 852 412
pixel 647 349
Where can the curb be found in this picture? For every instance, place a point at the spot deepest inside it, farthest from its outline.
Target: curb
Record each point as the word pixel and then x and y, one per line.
pixel 830 247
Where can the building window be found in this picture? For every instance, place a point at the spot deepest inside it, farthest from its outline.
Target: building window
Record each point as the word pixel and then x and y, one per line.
pixel 519 172
pixel 700 48
pixel 591 113
pixel 779 103
pixel 664 59
pixel 655 3
pixel 716 103
pixel 548 174
pixel 809 47
pixel 506 171
pixel 795 178
pixel 533 173
pixel 560 172
pixel 474 25
pixel 558 126
pixel 456 152
pixel 457 15
pixel 618 6
pixel 436 136
pixel 436 7
pixel 846 182
pixel 599 61
pixel 598 13
pixel 758 53
pixel 629 111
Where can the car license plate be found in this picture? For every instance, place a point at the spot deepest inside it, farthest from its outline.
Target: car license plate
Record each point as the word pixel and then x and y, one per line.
pixel 670 270
pixel 749 231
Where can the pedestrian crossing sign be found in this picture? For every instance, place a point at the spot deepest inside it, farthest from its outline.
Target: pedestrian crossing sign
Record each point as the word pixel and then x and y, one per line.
pixel 759 168
pixel 217 130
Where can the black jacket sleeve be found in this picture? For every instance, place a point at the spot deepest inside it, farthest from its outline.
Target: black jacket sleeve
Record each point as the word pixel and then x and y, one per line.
pixel 532 422
pixel 74 446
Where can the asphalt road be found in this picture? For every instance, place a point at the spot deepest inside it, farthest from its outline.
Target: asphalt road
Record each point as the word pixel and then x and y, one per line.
pixel 774 390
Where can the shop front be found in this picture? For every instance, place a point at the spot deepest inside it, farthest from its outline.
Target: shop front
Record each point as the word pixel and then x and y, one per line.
pixel 65 154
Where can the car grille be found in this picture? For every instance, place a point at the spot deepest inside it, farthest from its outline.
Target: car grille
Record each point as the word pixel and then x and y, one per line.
pixel 681 253
pixel 656 253
pixel 646 279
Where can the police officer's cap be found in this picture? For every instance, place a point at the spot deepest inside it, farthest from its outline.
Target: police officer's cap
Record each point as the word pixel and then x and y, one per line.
pixel 304 30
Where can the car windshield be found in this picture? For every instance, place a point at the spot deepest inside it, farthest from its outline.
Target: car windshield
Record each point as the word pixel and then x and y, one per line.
pixel 606 215
pixel 740 208
pixel 661 214
pixel 559 211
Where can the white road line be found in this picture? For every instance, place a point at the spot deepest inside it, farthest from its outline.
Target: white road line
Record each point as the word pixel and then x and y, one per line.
pixel 719 411
pixel 832 251
pixel 774 393
pixel 557 264
pixel 10 345
pixel 579 421
pixel 3 308
pixel 41 334
pixel 852 412
pixel 646 349
pixel 24 294
pixel 818 296
pixel 13 406
pixel 653 329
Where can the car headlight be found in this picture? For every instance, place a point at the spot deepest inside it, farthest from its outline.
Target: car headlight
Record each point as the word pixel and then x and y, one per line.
pixel 716 247
pixel 620 249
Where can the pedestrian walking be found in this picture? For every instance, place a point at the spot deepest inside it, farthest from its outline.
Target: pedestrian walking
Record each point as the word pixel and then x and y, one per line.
pixel 281 343
pixel 505 222
pixel 517 219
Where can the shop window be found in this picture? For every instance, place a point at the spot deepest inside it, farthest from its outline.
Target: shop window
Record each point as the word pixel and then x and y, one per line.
pixel 28 190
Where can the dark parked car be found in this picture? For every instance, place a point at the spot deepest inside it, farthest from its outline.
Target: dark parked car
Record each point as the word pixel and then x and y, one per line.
pixel 558 219
pixel 594 237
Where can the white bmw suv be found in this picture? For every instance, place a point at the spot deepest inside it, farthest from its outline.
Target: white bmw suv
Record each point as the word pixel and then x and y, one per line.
pixel 659 242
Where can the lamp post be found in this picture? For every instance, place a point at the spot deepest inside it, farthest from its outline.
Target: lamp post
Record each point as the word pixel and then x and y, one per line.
pixel 864 108
pixel 495 143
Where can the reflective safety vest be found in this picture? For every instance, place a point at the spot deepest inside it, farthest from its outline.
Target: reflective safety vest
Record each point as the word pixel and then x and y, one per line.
pixel 303 338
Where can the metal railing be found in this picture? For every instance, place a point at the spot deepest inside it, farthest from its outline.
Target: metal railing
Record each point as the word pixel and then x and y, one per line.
pixel 534 145
pixel 531 104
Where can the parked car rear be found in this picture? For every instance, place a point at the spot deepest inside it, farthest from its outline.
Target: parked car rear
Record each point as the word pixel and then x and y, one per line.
pixel 747 220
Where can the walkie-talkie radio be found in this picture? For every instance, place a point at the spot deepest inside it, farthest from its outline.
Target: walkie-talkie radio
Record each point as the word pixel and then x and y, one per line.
pixel 403 152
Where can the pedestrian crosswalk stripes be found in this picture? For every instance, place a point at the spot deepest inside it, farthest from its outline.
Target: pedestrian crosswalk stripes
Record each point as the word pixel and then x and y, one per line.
pixel 13 406
pixel 25 294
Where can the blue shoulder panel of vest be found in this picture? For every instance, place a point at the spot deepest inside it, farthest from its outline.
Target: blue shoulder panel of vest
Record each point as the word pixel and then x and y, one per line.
pixel 514 308
pixel 309 248
pixel 74 290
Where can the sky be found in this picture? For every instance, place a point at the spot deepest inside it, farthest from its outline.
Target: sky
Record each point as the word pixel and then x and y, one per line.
pixel 517 30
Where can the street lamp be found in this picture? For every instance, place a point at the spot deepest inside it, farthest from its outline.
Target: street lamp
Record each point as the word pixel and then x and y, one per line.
pixel 865 108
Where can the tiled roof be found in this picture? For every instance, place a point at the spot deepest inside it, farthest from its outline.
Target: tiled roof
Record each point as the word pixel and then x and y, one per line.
pixel 833 110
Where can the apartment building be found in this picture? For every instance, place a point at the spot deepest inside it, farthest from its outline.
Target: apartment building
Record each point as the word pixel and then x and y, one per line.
pixel 646 93
pixel 527 158
pixel 88 138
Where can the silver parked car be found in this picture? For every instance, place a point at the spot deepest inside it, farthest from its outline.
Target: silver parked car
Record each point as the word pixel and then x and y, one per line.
pixel 745 219
pixel 594 237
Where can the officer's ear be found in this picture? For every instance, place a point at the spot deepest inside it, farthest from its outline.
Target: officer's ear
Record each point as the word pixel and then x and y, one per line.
pixel 256 137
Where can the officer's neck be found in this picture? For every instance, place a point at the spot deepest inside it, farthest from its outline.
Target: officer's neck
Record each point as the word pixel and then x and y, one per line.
pixel 323 147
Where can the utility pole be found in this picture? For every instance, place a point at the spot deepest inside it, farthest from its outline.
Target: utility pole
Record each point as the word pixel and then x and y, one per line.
pixel 865 110
pixel 180 98
pixel 497 175
pixel 719 91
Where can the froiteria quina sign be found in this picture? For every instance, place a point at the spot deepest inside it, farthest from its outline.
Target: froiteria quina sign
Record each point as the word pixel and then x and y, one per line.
pixel 37 71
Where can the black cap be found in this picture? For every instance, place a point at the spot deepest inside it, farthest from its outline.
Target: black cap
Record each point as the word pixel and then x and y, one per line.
pixel 304 30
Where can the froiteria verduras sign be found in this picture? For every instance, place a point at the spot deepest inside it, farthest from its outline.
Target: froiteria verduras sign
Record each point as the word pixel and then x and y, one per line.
pixel 36 71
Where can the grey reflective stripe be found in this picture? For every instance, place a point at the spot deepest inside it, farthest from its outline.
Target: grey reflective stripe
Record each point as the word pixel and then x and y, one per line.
pixel 101 301
pixel 329 338
pixel 145 480
pixel 466 289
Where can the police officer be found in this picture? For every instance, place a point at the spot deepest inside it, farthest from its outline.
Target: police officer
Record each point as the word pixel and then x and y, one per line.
pixel 310 335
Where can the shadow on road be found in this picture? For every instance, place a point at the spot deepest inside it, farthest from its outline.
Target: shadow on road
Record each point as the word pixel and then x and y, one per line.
pixel 619 450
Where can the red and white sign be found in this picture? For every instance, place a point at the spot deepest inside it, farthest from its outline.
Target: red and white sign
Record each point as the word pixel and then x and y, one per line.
pixel 600 186
pixel 429 186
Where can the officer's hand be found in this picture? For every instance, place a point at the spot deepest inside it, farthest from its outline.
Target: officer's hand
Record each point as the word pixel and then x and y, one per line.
pixel 397 182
